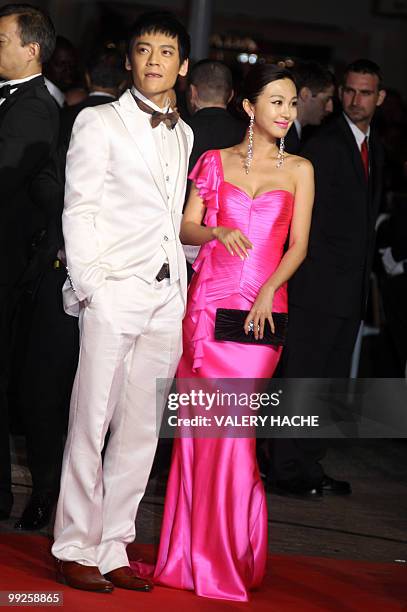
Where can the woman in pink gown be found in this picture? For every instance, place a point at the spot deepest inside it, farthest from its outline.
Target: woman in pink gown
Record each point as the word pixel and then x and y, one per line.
pixel 214 533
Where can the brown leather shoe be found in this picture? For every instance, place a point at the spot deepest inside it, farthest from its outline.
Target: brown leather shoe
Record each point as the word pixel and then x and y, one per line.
pixel 84 577
pixel 125 578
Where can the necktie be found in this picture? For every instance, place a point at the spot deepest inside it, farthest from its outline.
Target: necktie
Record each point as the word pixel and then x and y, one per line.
pixel 169 119
pixel 5 91
pixel 364 151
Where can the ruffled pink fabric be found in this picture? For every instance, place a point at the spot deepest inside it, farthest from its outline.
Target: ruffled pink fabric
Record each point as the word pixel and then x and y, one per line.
pixel 206 178
pixel 264 220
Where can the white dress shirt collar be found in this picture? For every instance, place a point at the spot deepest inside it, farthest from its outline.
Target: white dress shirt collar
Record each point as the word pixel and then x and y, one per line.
pixel 298 127
pixel 19 81
pixel 154 106
pixel 16 82
pixel 358 134
pixel 55 92
pixel 102 93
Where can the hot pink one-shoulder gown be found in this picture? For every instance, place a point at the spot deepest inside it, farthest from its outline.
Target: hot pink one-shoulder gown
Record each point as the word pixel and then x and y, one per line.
pixel 214 532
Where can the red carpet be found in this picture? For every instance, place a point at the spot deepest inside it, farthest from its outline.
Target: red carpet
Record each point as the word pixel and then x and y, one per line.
pixel 300 584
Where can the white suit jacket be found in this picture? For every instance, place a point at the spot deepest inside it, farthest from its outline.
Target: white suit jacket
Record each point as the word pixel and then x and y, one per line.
pixel 117 220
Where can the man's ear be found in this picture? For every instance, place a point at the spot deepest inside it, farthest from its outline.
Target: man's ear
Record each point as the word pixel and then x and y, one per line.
pixel 305 93
pixel 382 95
pixel 192 91
pixel 184 68
pixel 192 97
pixel 34 51
pixel 340 92
pixel 127 63
pixel 232 93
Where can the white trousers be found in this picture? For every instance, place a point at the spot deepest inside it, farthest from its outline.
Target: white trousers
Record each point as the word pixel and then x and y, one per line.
pixel 130 335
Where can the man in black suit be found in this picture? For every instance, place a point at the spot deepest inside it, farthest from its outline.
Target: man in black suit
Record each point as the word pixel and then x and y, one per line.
pixel 52 343
pixel 105 78
pixel 61 72
pixel 327 295
pixel 28 136
pixel 315 87
pixel 210 91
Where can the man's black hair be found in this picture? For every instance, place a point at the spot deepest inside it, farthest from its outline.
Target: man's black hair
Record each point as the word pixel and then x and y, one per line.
pixel 213 80
pixel 312 75
pixel 364 66
pixel 106 68
pixel 161 22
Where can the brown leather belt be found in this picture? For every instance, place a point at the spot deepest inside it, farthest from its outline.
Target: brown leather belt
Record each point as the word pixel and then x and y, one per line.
pixel 164 272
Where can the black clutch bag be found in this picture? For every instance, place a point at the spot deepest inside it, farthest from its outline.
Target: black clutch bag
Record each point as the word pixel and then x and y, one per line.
pixel 229 326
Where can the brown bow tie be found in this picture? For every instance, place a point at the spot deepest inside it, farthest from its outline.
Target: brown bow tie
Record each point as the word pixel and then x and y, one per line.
pixel 169 119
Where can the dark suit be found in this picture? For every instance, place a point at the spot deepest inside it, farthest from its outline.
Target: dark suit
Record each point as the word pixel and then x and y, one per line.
pixel 292 142
pixel 52 340
pixel 214 128
pixel 393 287
pixel 328 293
pixel 28 137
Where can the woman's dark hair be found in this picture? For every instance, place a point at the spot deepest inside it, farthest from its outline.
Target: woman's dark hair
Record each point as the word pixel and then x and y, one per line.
pixel 35 27
pixel 160 22
pixel 261 75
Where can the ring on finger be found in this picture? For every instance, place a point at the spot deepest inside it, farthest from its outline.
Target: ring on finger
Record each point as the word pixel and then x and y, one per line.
pixel 250 327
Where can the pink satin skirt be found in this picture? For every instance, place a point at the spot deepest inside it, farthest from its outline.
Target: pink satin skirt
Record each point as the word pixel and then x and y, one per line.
pixel 214 532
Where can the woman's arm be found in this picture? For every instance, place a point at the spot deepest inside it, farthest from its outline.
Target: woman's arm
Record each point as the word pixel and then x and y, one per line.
pixel 296 252
pixel 194 233
pixel 300 226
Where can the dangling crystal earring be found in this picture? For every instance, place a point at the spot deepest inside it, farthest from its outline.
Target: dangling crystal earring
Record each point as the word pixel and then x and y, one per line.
pixel 249 157
pixel 280 156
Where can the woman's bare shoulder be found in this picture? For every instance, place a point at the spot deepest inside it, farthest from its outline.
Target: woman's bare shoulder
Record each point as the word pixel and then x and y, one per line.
pixel 299 165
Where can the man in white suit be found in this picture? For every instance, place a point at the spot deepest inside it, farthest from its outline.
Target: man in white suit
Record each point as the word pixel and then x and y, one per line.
pixel 125 184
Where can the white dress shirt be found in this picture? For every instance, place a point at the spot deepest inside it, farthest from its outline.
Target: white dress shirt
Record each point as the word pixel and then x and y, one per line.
pixel 167 145
pixel 298 127
pixel 358 134
pixel 55 92
pixel 392 267
pixel 17 82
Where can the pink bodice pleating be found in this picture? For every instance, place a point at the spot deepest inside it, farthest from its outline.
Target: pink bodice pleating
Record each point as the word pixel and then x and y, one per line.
pixel 265 220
